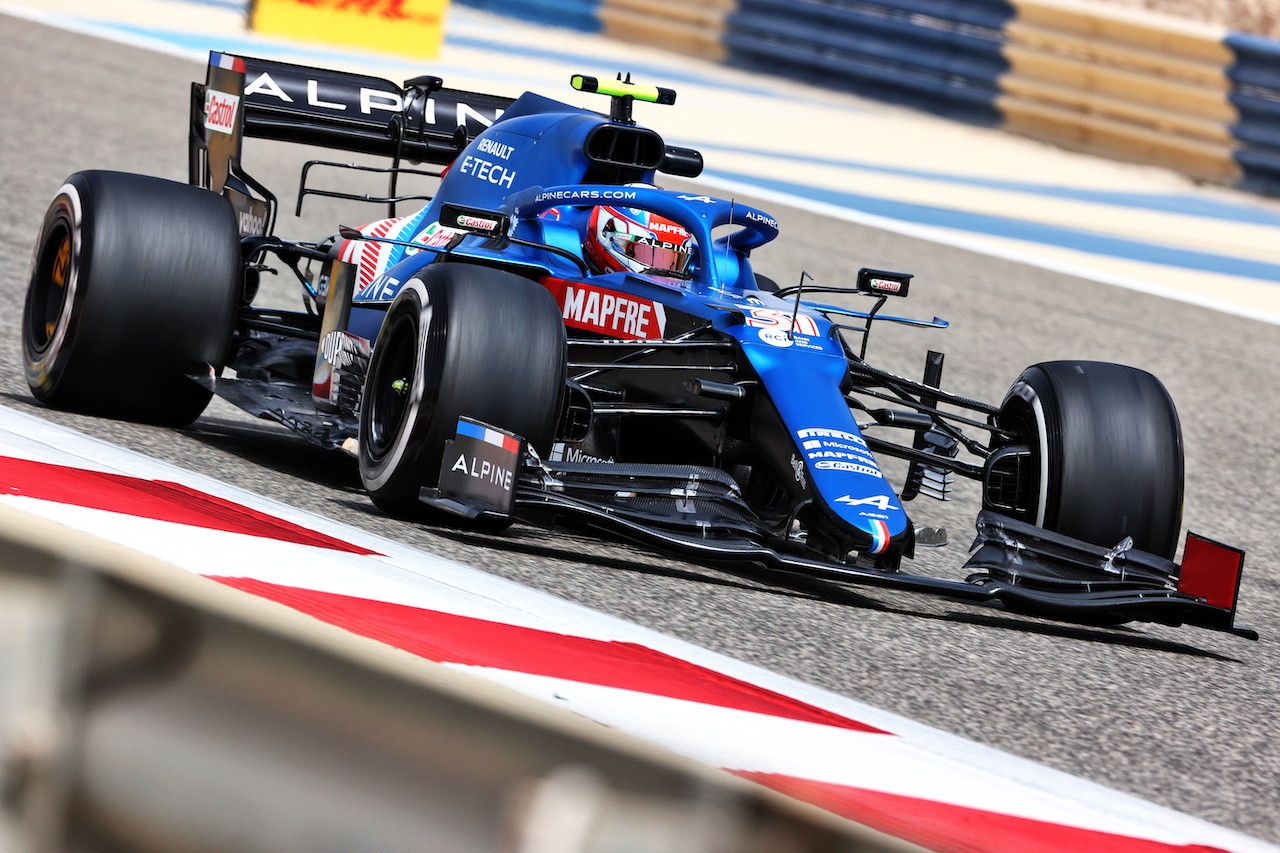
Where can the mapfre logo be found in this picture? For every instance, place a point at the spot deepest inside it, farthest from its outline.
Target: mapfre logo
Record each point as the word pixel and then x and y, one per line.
pixel 220 111
pixel 617 315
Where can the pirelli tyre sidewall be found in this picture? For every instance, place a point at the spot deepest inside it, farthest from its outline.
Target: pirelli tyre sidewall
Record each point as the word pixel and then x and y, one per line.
pixel 51 295
pixel 1107 453
pixel 393 416
pixel 458 340
pixel 134 281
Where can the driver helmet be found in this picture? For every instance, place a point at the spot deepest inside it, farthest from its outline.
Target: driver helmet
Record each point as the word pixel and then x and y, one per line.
pixel 625 239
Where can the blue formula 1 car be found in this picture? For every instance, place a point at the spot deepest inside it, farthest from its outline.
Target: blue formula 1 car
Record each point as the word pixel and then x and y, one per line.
pixel 553 338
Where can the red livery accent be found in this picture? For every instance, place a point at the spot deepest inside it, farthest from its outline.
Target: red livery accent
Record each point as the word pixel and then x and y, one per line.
pixel 597 309
pixel 153 499
pixel 1211 570
pixel 448 638
pixel 948 828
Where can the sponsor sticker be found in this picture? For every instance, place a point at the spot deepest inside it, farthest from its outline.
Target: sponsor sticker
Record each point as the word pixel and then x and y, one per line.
pixel 851 467
pixel 339 351
pixel 220 111
pixel 342 349
pixel 436 235
pixel 467 221
pixel 882 282
pixel 839 435
pixel 487 170
pixel 562 452
pixel 775 337
pixel 586 195
pixel 480 466
pixel 596 309
pixel 798 467
pixel 250 223
pixel 840 454
pixel 498 149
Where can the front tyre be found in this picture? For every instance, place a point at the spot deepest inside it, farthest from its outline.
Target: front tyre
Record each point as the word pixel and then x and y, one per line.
pixel 457 340
pixel 1106 458
pixel 133 280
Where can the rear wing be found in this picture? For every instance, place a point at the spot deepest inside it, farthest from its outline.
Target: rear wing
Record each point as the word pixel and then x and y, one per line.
pixel 258 98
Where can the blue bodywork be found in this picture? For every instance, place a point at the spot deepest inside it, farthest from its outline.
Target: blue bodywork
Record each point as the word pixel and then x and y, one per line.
pixel 532 160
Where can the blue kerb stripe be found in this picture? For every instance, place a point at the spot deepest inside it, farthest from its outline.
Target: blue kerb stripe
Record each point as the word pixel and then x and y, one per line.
pixel 1034 232
pixel 575 14
pixel 1172 203
pixel 471 430
pixel 233 5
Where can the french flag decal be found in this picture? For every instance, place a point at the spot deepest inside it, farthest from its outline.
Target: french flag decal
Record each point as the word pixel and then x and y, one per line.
pixel 879 535
pixel 490 436
pixel 227 61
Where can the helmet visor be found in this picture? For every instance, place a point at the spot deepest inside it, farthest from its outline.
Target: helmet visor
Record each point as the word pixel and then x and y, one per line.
pixel 651 253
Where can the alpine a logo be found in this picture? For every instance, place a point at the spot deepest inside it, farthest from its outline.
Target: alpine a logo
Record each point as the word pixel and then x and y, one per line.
pixel 220 111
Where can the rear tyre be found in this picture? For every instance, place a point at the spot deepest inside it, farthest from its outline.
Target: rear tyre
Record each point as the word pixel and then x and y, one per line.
pixel 1106 452
pixel 134 279
pixel 457 340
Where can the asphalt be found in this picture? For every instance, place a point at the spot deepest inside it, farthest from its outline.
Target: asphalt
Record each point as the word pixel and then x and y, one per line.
pixel 1183 717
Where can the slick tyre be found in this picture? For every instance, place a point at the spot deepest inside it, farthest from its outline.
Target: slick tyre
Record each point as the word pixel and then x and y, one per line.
pixel 1106 452
pixel 134 281
pixel 458 340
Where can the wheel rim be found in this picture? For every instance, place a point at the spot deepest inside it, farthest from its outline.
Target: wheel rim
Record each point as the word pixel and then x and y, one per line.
pixel 389 392
pixel 51 286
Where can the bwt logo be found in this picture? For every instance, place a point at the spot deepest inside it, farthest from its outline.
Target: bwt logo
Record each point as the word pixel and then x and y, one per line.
pixel 391 10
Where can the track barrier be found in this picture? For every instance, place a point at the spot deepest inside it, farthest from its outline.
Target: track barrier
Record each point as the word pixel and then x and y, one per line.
pixel 1130 86
pixel 412 28
pixel 1122 83
pixel 933 54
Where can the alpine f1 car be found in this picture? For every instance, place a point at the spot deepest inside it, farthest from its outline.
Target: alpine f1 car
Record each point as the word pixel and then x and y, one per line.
pixel 555 339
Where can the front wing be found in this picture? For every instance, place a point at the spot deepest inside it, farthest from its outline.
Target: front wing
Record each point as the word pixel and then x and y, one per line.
pixel 697 513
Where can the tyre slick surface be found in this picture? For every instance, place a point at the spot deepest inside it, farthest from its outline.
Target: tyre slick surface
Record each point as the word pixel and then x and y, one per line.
pixel 457 340
pixel 133 279
pixel 1108 447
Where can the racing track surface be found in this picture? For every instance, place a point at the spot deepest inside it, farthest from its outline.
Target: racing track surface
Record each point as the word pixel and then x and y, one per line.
pixel 1183 717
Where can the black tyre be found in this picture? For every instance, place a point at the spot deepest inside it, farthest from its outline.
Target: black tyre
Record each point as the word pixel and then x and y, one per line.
pixel 134 278
pixel 1106 452
pixel 457 340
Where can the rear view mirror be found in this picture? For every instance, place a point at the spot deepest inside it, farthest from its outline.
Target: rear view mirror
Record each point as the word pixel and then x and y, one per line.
pixel 882 283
